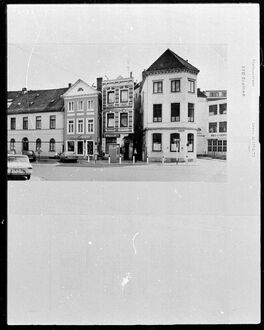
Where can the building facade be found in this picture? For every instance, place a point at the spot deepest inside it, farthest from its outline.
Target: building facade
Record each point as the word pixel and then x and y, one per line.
pixel 35 121
pixel 82 119
pixel 118 116
pixel 168 100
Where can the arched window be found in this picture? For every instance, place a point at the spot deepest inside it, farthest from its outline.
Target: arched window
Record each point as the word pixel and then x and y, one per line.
pixel 190 144
pixel 175 142
pixel 12 144
pixel 52 145
pixel 38 144
pixel 24 144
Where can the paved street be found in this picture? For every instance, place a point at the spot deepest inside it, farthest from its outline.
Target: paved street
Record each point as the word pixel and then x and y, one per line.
pixel 207 170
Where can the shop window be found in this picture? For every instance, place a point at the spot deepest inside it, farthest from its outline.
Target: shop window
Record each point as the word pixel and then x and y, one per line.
pixel 124 119
pixel 210 145
pixel 38 122
pixel 175 111
pixel 175 85
pixel 52 145
pixel 38 144
pixel 224 145
pixel 220 146
pixel 190 142
pixel 12 144
pixel 222 126
pixel 110 120
pixel 52 122
pixel 213 110
pixel 175 142
pixel 13 123
pixel 124 95
pixel 214 145
pixel 25 122
pixel 110 97
pixel 191 112
pixel 157 87
pixel 70 146
pixel 157 112
pixel 222 109
pixel 156 142
pixel 212 127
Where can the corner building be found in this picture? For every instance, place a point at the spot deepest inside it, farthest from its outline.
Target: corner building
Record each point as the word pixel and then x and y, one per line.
pixel 168 102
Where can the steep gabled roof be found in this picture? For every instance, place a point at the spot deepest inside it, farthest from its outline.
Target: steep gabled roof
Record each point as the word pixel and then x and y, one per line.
pixel 38 101
pixel 170 60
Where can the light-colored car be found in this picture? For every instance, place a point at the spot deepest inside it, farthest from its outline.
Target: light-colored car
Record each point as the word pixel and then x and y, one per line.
pixel 68 157
pixel 18 166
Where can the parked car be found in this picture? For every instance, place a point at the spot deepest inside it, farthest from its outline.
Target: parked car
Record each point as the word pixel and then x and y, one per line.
pixel 31 155
pixel 56 155
pixel 68 157
pixel 11 152
pixel 18 166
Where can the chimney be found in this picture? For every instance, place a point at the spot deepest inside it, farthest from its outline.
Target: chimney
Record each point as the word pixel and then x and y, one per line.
pixel 69 85
pixel 99 84
pixel 131 75
pixel 24 90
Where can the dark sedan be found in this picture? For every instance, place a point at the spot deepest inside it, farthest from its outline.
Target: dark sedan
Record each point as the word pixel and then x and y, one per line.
pixel 31 155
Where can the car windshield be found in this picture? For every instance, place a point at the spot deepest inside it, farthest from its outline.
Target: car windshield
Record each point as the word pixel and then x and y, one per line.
pixel 14 159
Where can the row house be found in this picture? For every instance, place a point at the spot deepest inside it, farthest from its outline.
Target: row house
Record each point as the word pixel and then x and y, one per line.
pixel 82 118
pixel 35 121
pixel 118 116
pixel 168 102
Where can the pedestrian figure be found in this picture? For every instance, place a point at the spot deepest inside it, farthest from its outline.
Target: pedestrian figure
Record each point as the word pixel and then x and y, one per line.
pixel 135 154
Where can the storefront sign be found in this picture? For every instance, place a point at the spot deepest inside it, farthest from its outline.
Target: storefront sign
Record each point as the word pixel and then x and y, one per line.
pixel 111 135
pixel 218 135
pixel 80 137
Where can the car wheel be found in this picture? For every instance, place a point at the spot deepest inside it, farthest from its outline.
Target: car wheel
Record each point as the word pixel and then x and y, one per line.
pixel 28 177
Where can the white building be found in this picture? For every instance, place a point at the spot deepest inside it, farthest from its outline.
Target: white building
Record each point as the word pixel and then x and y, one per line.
pixel 169 100
pixel 35 121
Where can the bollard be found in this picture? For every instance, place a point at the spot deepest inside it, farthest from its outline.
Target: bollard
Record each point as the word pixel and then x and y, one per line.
pixel 133 159
pixel 120 160
pixel 88 158
pixel 147 160
pixel 95 158
pixel 108 159
pixel 162 160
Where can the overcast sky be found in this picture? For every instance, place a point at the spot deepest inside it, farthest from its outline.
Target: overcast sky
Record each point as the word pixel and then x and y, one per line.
pixel 52 45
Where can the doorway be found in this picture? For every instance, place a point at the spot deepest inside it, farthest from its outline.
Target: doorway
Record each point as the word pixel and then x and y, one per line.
pixel 25 144
pixel 90 147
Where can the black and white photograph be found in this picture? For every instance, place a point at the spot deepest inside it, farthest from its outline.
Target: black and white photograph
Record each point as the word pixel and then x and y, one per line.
pixel 133 164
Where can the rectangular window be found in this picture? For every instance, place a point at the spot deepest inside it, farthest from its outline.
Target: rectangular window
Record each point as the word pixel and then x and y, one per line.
pixel 210 146
pixel 25 122
pixel 90 125
pixel 222 109
pixel 156 142
pixel 38 122
pixel 110 120
pixel 224 145
pixel 175 85
pixel 222 126
pixel 191 86
pixel 213 110
pixel 220 146
pixel 212 127
pixel 214 145
pixel 111 97
pixel 214 94
pixel 70 126
pixel 70 146
pixel 175 111
pixel 175 142
pixel 80 105
pixel 190 142
pixel 124 95
pixel 52 122
pixel 157 87
pixel 71 106
pixel 124 119
pixel 157 112
pixel 191 112
pixel 80 126
pixel 13 123
pixel 90 105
